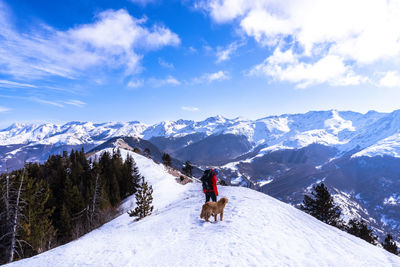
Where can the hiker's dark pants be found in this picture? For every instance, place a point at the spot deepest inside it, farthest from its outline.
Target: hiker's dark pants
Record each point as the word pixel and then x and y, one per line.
pixel 211 195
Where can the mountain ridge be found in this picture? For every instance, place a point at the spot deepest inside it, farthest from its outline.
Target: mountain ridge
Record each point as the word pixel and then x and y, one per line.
pixel 347 131
pixel 257 131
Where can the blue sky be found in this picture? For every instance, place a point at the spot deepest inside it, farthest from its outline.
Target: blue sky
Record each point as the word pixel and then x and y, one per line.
pixel 154 60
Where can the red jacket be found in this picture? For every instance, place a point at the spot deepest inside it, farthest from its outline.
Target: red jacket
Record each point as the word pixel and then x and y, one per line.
pixel 214 185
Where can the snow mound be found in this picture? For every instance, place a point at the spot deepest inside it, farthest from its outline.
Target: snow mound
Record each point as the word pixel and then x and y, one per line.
pixel 257 230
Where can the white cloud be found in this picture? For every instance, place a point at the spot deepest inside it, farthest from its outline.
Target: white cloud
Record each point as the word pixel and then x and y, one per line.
pixel 285 66
pixel 143 2
pixel 46 102
pixel 6 83
pixel 154 82
pixel 111 41
pixel 40 99
pixel 165 64
pixel 217 76
pixel 169 80
pixel 211 77
pixel 358 34
pixel 192 49
pixel 191 109
pixel 135 83
pixel 76 103
pixel 390 79
pixel 224 54
pixel 4 109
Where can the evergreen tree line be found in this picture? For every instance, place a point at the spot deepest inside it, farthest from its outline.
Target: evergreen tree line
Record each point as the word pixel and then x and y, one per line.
pixel 321 206
pixel 46 205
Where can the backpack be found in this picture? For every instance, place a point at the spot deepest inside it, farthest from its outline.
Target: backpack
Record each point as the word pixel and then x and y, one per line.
pixel 206 180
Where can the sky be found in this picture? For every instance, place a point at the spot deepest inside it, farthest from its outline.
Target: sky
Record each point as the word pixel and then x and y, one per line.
pixel 156 60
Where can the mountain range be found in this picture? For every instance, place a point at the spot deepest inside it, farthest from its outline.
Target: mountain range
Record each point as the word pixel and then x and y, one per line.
pixel 370 134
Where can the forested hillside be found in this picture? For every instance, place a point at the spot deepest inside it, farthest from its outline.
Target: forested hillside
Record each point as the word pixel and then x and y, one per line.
pixel 46 205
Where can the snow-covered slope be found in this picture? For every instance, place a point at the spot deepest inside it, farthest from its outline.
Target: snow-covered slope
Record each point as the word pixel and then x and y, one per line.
pixel 257 231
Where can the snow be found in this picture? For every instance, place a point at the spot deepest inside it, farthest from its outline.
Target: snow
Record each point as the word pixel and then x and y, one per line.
pixel 261 183
pixel 313 136
pixel 238 180
pixel 389 146
pixel 337 124
pixel 257 230
pixel 392 200
pixel 273 148
pixel 350 208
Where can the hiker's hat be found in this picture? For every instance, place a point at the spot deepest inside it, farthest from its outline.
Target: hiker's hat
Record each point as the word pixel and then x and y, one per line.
pixel 216 171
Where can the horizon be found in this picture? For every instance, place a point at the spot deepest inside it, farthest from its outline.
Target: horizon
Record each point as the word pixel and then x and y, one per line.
pixel 155 60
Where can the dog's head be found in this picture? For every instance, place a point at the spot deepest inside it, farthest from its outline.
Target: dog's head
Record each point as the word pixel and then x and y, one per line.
pixel 223 200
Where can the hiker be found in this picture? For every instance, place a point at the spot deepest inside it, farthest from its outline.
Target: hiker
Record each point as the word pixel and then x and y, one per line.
pixel 209 181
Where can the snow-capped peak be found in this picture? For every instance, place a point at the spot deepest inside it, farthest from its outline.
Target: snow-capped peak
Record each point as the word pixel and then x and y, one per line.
pixel 337 124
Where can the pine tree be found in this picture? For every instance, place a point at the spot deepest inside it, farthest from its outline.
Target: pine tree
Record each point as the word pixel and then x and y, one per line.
pixel 6 193
pixel 322 206
pixel 120 176
pixel 73 197
pixel 187 170
pixel 65 225
pixel 38 230
pixel 147 152
pixel 390 245
pixel 16 214
pixel 144 199
pixel 75 207
pixel 135 177
pixel 113 192
pixel 360 229
pixel 128 180
pixel 167 159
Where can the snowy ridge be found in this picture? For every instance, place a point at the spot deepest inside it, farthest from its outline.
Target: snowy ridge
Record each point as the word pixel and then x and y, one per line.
pixel 72 133
pixel 389 146
pixel 257 231
pixel 372 133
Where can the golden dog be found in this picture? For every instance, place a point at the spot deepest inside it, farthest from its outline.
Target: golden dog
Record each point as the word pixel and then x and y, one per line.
pixel 213 209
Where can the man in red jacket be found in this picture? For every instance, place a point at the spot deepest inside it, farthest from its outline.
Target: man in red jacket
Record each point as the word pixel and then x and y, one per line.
pixel 211 191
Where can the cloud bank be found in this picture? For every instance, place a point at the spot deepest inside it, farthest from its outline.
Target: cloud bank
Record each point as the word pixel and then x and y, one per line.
pixel 347 38
pixel 114 40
